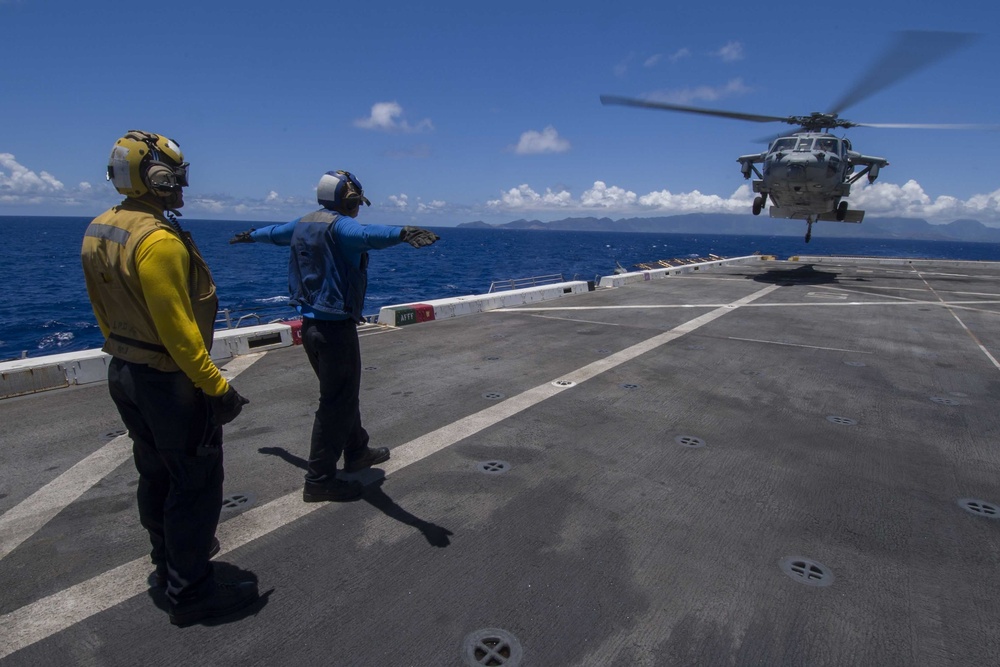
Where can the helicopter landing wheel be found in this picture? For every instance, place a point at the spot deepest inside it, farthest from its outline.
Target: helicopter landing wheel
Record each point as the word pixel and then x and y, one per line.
pixel 758 204
pixel 809 231
pixel 841 211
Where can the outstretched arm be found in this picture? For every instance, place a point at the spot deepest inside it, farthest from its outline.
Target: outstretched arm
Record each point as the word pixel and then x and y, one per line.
pixel 418 237
pixel 273 234
pixel 362 238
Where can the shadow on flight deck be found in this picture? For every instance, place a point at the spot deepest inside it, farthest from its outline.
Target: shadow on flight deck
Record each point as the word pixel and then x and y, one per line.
pixel 801 275
pixel 436 536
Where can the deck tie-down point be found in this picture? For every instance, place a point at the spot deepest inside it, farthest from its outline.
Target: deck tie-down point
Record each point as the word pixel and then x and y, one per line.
pixel 807 571
pixel 980 508
pixel 843 421
pixel 237 501
pixel 493 467
pixel 491 647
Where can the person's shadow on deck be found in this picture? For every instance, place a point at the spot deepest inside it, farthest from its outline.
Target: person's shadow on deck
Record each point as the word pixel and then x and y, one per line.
pixel 436 536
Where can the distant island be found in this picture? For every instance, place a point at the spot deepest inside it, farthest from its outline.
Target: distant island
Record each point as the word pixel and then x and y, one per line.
pixel 742 225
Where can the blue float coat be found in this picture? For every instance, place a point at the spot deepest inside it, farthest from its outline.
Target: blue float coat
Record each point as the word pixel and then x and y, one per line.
pixel 354 240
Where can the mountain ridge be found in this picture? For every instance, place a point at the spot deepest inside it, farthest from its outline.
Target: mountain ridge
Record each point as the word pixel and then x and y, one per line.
pixel 734 224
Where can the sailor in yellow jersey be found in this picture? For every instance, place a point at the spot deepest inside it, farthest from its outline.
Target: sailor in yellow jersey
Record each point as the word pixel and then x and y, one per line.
pixel 155 301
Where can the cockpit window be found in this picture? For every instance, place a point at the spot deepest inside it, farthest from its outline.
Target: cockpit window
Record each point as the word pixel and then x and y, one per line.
pixel 828 145
pixel 804 144
pixel 783 145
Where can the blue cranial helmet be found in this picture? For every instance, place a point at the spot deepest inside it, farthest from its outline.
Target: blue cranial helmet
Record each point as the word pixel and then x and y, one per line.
pixel 340 191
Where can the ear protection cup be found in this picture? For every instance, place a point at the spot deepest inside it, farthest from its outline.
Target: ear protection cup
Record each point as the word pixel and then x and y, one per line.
pixel 141 162
pixel 340 191
pixel 351 199
pixel 161 179
pixel 354 194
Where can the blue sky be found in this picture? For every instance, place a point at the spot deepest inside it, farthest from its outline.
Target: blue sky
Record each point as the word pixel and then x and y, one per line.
pixel 450 112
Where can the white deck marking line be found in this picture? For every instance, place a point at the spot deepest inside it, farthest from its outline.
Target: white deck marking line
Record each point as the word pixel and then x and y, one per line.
pixel 910 289
pixel 937 295
pixel 43 618
pixel 27 517
pixel 362 331
pixel 811 347
pixel 964 305
pixel 975 340
pixel 573 319
pixel 901 301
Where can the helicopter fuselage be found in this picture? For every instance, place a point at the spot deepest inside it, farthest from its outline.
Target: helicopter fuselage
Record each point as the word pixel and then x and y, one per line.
pixel 807 176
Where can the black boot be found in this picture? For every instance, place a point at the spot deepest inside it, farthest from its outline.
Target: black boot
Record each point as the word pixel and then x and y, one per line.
pixel 366 458
pixel 227 598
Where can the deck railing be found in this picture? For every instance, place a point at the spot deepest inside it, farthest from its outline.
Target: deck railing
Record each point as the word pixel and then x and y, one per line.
pixel 235 318
pixel 520 283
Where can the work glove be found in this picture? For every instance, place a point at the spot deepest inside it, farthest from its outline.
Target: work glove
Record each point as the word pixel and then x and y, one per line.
pixel 243 237
pixel 417 237
pixel 227 407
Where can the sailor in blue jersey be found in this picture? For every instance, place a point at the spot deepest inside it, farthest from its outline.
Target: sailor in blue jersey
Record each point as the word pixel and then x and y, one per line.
pixel 327 281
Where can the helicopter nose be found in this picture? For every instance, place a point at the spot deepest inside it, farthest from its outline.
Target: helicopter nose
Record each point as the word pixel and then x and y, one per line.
pixel 803 166
pixel 796 172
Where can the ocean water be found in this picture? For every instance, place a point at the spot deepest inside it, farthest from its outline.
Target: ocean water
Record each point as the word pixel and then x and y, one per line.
pixel 44 307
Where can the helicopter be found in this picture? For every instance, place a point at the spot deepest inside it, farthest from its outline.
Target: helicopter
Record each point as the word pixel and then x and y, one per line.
pixel 807 174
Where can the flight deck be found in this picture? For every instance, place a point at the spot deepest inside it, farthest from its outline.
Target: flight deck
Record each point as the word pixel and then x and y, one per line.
pixel 788 462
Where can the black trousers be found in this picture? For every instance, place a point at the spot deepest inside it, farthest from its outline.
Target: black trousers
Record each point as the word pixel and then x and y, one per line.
pixel 178 453
pixel 335 355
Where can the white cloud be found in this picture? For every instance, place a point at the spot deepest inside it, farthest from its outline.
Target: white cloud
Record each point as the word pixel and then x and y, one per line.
pixel 523 197
pixel 731 88
pixel 399 202
pixel 20 186
pixel 212 205
pixel 272 206
pixel 546 141
pixel 879 200
pixel 17 180
pixel 696 202
pixel 388 117
pixel 601 196
pixel 731 52
pixel 435 206
pixel 652 60
pixel 619 200
pixel 679 54
pixel 621 69
pixel 985 205
pixel 910 201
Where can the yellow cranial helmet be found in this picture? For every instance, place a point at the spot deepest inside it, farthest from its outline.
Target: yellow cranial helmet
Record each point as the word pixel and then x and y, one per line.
pixel 141 162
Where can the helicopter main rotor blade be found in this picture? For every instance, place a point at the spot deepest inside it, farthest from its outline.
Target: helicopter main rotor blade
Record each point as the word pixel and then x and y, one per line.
pixel 932 126
pixel 912 51
pixel 632 102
